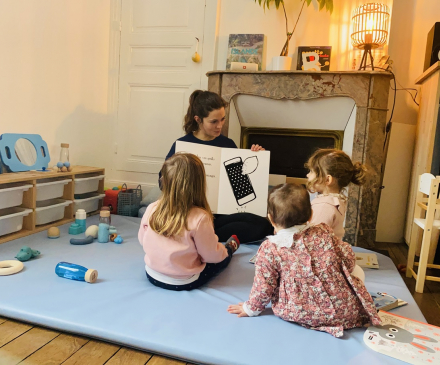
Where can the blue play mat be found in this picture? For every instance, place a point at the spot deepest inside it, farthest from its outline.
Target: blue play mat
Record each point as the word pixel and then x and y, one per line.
pixel 124 308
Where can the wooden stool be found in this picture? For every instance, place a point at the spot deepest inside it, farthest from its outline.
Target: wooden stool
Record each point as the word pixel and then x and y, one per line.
pixel 425 207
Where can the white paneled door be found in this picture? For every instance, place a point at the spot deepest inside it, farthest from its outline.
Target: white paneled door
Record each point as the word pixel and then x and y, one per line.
pixel 157 76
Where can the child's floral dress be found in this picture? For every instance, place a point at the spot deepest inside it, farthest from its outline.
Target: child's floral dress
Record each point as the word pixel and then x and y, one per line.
pixel 305 272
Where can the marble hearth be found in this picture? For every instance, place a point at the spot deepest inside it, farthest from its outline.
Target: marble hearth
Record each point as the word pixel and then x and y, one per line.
pixel 368 90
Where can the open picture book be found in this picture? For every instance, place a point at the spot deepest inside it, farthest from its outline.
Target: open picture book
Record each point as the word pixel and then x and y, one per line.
pixel 237 179
pixel 386 302
pixel 404 339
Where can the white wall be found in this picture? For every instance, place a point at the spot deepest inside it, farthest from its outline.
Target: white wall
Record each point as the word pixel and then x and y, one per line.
pixel 54 75
pixel 245 16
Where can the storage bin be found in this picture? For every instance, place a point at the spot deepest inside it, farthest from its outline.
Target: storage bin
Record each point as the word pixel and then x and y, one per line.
pixel 11 219
pixel 51 189
pixel 89 204
pixel 87 184
pixel 50 210
pixel 12 196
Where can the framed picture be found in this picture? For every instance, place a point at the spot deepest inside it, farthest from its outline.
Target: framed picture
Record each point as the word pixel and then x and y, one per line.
pixel 246 48
pixel 314 58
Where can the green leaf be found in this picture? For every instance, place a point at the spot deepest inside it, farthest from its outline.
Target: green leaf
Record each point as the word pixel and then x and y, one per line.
pixel 329 6
pixel 321 4
pixel 308 2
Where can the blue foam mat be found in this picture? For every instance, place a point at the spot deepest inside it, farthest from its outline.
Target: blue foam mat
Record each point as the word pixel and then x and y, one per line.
pixel 124 308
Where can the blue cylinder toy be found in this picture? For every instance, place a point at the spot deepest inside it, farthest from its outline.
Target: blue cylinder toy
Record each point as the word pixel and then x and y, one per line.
pixel 75 272
pixel 103 232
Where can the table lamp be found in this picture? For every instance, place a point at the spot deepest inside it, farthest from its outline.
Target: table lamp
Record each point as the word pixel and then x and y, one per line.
pixel 370 29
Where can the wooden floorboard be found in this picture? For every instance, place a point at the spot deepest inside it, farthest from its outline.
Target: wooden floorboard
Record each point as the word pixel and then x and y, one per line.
pixel 10 330
pixel 92 353
pixel 27 345
pixel 129 356
pixel 160 360
pixel 56 351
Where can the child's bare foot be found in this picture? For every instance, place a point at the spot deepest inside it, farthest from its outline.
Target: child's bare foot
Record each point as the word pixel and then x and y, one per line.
pixel 233 243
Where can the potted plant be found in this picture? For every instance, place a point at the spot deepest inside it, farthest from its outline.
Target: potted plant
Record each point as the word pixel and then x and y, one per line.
pixel 283 61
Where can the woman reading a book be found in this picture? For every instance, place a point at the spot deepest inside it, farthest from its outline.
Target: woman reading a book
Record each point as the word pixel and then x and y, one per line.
pixel 203 125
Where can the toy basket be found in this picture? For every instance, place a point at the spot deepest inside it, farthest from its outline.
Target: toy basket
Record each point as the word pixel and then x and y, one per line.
pixel 129 201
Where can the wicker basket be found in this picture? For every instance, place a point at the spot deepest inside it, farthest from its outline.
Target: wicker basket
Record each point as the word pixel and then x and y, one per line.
pixel 129 201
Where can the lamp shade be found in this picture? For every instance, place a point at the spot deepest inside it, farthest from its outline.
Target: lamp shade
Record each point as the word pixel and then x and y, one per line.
pixel 370 25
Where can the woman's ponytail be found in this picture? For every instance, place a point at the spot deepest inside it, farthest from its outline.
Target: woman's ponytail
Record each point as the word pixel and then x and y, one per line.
pixel 359 174
pixel 201 103
pixel 189 123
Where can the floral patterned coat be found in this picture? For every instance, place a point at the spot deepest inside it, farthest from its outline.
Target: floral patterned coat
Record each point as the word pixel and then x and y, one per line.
pixel 310 283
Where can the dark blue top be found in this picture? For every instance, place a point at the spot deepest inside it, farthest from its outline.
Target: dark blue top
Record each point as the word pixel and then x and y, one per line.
pixel 220 141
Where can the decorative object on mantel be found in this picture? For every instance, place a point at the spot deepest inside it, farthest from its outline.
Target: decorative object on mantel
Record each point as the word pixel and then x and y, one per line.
pixel 369 29
pixel 246 48
pixel 23 152
pixel 314 58
pixel 283 61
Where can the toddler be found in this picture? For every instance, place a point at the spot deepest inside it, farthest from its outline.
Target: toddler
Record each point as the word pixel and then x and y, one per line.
pixel 330 172
pixel 304 270
pixel 182 251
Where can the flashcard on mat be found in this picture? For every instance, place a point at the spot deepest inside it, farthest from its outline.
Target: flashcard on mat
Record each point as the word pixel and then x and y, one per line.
pixel 237 179
pixel 405 339
pixel 368 260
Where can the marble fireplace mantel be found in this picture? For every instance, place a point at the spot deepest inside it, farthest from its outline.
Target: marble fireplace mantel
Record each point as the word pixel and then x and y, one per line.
pixel 369 90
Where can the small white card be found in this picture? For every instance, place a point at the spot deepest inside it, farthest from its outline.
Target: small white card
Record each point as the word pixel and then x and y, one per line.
pixel 368 260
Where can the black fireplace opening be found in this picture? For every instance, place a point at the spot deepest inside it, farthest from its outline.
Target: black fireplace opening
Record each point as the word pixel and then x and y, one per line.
pixel 290 148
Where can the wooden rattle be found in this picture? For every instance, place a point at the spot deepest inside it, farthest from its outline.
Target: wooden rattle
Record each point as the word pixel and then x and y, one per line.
pixel 9 267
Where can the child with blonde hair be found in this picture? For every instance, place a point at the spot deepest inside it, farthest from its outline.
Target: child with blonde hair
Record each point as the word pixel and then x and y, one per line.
pixel 331 171
pixel 304 270
pixel 182 251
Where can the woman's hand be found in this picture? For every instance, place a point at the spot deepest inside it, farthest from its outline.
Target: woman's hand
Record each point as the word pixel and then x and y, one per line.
pixel 257 147
pixel 237 309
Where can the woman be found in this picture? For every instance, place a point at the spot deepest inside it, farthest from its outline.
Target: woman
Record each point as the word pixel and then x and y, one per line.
pixel 203 125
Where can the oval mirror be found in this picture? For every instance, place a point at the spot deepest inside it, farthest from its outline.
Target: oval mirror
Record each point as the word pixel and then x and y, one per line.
pixel 25 152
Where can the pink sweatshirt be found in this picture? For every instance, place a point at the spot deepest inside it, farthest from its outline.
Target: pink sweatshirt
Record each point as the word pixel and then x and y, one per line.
pixel 329 209
pixel 184 256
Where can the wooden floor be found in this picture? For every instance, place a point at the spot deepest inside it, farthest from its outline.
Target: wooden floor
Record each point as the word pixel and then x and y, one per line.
pixel 22 343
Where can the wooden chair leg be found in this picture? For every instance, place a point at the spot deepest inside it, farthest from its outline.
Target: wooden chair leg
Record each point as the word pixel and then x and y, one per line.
pixel 412 250
pixel 421 273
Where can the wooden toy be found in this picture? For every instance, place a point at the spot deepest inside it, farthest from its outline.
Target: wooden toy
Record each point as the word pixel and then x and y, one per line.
pixel 53 232
pixel 9 267
pixel 92 231
pixel 64 167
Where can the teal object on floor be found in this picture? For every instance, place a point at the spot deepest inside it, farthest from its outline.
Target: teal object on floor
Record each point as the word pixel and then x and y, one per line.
pixel 26 253
pixel 75 228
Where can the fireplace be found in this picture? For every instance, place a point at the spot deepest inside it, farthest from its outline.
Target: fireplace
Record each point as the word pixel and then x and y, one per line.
pixel 290 148
pixel 362 130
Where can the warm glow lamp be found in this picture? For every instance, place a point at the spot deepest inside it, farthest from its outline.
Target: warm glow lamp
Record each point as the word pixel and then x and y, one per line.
pixel 370 29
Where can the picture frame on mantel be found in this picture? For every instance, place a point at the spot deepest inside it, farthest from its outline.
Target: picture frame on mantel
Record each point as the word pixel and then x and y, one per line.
pixel 315 58
pixel 247 48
